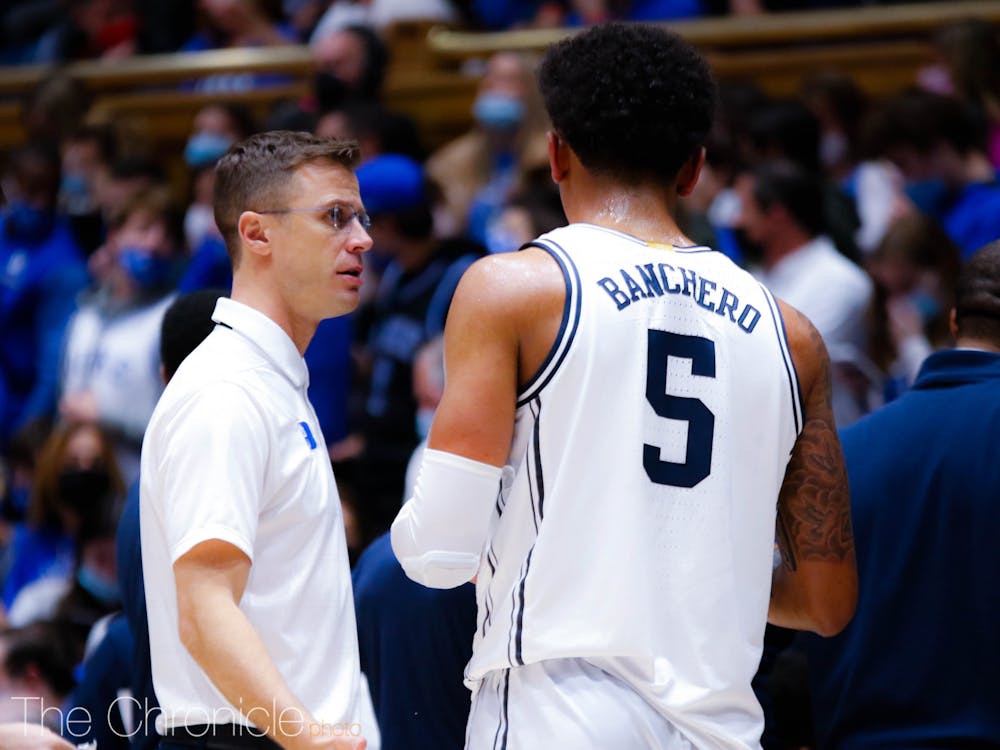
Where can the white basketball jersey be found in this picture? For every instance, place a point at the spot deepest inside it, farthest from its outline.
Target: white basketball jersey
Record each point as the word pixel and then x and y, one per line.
pixel 648 454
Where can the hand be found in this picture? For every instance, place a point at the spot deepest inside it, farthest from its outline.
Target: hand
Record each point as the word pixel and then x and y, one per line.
pixel 23 736
pixel 326 742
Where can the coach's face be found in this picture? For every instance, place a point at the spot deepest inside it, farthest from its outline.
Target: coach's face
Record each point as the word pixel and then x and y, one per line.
pixel 316 262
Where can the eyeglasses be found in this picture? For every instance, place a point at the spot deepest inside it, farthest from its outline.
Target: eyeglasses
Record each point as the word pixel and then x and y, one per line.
pixel 339 215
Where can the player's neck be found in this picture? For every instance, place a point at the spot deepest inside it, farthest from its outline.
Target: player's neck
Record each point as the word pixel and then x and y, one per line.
pixel 643 212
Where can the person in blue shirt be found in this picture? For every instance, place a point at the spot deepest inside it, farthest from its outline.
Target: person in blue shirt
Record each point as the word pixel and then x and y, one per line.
pixel 939 144
pixel 41 272
pixel 917 667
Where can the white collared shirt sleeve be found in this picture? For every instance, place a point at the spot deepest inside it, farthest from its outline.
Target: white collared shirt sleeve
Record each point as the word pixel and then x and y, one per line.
pixel 213 465
pixel 439 535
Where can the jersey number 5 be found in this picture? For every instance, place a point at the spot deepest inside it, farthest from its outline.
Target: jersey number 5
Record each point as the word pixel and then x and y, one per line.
pixel 701 421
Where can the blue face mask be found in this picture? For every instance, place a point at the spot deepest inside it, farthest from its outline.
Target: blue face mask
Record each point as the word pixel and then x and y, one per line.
pixel 203 149
pixel 498 111
pixel 146 270
pixel 75 194
pixel 103 589
pixel 926 304
pixel 927 195
pixel 27 222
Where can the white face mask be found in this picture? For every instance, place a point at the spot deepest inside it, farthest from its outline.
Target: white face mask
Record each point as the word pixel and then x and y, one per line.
pixel 199 223
pixel 832 148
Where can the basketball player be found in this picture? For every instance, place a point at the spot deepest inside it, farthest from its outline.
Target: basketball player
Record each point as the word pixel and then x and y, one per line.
pixel 622 413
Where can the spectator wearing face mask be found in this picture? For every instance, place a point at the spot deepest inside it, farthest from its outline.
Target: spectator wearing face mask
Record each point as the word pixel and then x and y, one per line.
pixel 41 273
pixel 75 472
pixel 110 370
pixel 215 128
pixel 481 170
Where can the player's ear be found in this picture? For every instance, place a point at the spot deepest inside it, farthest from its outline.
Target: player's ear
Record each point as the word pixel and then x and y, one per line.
pixel 254 233
pixel 558 156
pixel 688 175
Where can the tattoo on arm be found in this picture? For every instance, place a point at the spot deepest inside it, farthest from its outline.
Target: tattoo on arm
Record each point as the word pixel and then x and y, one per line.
pixel 814 510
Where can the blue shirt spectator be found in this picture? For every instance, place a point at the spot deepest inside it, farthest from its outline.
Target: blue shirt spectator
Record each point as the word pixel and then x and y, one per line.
pixel 41 274
pixel 414 643
pixel 916 668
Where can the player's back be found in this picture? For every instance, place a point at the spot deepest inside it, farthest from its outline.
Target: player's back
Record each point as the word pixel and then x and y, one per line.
pixel 648 451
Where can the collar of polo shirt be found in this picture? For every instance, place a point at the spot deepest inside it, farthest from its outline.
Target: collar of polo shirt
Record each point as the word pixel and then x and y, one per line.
pixel 266 335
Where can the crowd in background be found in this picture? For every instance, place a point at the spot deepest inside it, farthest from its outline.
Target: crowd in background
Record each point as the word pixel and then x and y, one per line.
pixel 857 212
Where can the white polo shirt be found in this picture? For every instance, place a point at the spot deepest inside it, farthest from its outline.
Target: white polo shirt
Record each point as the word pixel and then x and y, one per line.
pixel 234 452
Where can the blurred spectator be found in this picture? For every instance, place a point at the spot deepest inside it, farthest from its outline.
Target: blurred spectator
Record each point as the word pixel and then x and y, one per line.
pixel 22 23
pixel 228 24
pixel 782 212
pixel 939 145
pixel 504 14
pixel 87 156
pixel 410 307
pixel 382 13
pixel 479 171
pixel 89 29
pixel 37 673
pixel 54 108
pixel 376 129
pixel 914 268
pixel 415 641
pixel 239 23
pixel 75 475
pixel 349 63
pixel 530 213
pixel 969 68
pixel 916 667
pixel 41 273
pixel 839 106
pixel 215 128
pixel 789 130
pixel 111 363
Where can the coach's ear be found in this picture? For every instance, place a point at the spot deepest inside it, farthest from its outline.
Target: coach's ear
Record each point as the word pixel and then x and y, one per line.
pixel 558 156
pixel 254 233
pixel 689 172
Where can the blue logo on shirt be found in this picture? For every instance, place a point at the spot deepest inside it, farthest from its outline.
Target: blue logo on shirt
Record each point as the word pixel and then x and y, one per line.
pixel 309 436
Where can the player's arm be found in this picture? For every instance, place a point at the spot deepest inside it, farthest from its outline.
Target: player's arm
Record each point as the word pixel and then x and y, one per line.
pixel 816 586
pixel 438 535
pixel 211 578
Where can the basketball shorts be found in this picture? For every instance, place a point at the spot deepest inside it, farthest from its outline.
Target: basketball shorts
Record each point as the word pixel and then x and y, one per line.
pixel 564 704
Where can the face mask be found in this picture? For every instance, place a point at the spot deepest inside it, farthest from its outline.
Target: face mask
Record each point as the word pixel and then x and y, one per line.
pixel 27 222
pixel 203 149
pixel 83 490
pixel 74 193
pixel 832 148
pixel 331 91
pixel 199 222
pixel 926 304
pixel 424 419
pixel 498 111
pixel 146 270
pixel 927 195
pixel 103 589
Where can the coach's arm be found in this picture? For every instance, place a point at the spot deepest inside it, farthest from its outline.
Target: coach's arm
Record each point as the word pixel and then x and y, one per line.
pixel 816 586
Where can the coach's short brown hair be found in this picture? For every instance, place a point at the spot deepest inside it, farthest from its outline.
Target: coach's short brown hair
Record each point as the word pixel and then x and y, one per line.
pixel 253 175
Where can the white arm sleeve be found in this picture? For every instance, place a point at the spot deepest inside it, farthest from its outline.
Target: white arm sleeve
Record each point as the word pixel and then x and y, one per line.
pixel 439 534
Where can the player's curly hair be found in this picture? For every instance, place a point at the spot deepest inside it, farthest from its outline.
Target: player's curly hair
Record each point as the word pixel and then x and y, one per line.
pixel 633 101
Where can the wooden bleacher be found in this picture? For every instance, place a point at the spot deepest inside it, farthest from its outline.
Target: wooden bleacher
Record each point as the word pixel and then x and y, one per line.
pixel 881 47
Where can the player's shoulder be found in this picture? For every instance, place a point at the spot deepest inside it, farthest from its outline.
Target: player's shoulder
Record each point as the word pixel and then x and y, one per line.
pixel 511 280
pixel 805 344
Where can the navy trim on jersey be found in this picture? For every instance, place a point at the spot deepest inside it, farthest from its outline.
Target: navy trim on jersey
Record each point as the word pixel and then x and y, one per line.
pixel 505 717
pixel 568 326
pixel 496 736
pixel 538 490
pixel 798 408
